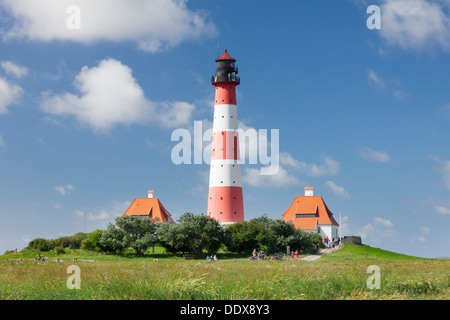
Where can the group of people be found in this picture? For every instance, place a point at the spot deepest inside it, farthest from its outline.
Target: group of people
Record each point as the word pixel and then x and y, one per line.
pixel 331 243
pixel 294 253
pixel 260 254
pixel 211 258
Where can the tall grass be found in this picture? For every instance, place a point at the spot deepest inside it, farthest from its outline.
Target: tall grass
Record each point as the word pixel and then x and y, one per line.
pixel 333 276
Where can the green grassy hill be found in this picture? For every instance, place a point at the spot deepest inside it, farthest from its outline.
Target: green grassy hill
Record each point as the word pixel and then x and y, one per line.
pixel 365 252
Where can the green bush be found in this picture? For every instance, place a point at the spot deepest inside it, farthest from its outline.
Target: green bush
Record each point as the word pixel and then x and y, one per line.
pixel 60 250
pixel 269 235
pixel 92 242
pixel 192 234
pixel 129 232
pixel 72 242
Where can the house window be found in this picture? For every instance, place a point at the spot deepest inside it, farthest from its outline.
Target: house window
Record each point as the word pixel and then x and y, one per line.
pixel 305 215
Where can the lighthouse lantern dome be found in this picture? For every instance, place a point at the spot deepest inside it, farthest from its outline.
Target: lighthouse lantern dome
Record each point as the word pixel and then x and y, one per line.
pixel 226 70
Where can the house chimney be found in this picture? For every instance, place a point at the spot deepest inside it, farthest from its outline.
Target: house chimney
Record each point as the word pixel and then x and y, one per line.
pixel 150 193
pixel 309 191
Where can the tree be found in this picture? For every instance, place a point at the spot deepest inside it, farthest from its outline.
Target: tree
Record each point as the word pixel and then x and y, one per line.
pixel 92 242
pixel 241 237
pixel 112 239
pixel 129 232
pixel 268 235
pixel 192 234
pixel 40 244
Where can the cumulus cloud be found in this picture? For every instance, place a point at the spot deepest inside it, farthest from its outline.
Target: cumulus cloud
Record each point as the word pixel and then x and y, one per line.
pixel 328 165
pixel 9 94
pixel 380 229
pixel 282 178
pixel 109 95
pixel 338 190
pixel 154 25
pixel 373 155
pixel 416 24
pixel 13 69
pixel 64 190
pixel 101 216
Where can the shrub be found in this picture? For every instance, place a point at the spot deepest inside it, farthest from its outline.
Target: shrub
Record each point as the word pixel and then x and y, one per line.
pixel 129 232
pixel 92 242
pixel 60 250
pixel 192 234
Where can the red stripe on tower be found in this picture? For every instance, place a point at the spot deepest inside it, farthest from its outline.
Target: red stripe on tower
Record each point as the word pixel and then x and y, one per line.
pixel 225 202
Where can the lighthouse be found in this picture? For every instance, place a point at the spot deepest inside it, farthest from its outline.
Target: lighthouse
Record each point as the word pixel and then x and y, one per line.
pixel 225 199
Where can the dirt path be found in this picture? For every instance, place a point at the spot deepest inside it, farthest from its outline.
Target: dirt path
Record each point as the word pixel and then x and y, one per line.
pixel 321 252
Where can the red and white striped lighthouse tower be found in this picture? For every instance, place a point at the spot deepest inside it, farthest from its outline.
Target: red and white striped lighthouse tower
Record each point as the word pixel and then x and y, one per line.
pixel 225 202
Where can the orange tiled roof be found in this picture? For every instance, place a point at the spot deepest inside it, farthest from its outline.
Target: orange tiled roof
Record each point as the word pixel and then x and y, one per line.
pixel 150 207
pixel 305 223
pixel 309 205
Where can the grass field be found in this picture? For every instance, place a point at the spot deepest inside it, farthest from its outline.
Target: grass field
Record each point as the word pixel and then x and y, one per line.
pixel 339 275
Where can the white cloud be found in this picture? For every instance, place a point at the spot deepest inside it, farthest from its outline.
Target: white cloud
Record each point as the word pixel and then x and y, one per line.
pixel 424 230
pixel 282 178
pixel 2 142
pixel 154 25
pixel 13 69
pixel 444 170
pixel 420 239
pixel 109 95
pixel 64 190
pixel 9 94
pixel 345 226
pixel 415 24
pixel 337 190
pixel 202 187
pixel 375 79
pixel 373 155
pixel 380 229
pixel 329 166
pixel 287 160
pixel 444 211
pixel 102 216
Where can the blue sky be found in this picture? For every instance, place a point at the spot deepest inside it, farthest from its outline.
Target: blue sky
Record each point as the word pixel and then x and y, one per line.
pixel 87 114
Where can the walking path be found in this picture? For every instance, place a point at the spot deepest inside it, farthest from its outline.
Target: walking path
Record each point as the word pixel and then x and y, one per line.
pixel 317 255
